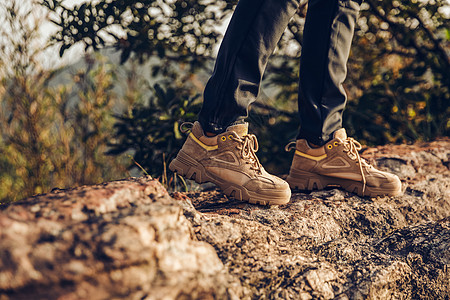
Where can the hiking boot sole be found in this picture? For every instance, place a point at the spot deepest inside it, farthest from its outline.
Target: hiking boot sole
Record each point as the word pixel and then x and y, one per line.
pixel 189 168
pixel 306 181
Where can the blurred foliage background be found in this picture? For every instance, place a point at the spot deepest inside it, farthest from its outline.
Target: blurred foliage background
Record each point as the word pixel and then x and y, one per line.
pixel 84 129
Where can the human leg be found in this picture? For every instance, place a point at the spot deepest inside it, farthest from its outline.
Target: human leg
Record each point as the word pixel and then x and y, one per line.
pixel 228 158
pixel 336 161
pixel 251 37
pixel 327 39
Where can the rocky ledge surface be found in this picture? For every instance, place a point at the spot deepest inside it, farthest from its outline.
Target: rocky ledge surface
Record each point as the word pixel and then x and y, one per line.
pixel 131 239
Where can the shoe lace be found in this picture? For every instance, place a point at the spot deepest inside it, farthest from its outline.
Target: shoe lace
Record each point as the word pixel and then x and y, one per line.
pixel 248 145
pixel 186 126
pixel 290 146
pixel 352 147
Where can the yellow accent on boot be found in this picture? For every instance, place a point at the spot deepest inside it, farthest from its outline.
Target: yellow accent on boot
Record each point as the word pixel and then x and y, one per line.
pixel 206 147
pixel 316 158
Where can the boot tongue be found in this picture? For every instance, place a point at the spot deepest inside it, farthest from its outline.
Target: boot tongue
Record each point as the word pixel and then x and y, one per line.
pixel 341 134
pixel 239 129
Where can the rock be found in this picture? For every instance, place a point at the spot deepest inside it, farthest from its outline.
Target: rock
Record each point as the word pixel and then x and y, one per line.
pixel 124 239
pixel 333 244
pixel 130 239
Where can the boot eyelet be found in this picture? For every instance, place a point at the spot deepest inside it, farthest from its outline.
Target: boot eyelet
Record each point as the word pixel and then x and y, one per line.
pixel 335 144
pixel 329 146
pixel 230 137
pixel 223 138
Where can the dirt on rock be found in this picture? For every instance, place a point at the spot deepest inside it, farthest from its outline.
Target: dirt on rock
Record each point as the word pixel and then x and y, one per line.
pixel 131 239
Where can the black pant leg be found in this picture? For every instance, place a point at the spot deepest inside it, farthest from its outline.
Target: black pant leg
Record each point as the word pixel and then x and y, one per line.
pixel 251 37
pixel 327 38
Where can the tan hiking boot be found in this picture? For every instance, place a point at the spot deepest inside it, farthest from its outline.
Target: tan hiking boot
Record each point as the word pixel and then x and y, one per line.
pixel 338 163
pixel 229 161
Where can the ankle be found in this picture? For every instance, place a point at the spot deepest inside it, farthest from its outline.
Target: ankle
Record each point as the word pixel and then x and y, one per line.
pixel 313 146
pixel 210 134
